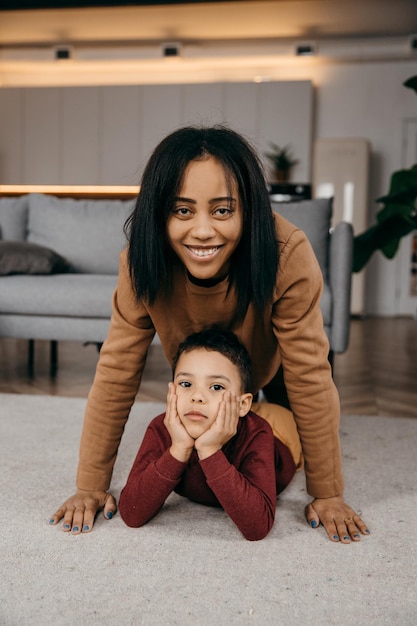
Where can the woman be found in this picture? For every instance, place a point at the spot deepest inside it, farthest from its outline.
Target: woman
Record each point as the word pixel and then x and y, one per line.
pixel 205 249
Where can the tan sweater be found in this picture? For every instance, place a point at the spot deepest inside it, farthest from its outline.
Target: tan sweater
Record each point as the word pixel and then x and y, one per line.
pixel 290 332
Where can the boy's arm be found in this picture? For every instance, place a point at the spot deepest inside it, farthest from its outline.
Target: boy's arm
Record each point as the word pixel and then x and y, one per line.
pixel 247 494
pixel 154 475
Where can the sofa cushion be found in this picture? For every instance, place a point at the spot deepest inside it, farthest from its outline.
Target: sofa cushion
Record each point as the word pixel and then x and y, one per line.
pixel 22 257
pixel 88 233
pixel 66 295
pixel 13 218
pixel 314 218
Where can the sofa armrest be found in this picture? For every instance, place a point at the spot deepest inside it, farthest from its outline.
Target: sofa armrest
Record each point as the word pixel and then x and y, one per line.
pixel 340 278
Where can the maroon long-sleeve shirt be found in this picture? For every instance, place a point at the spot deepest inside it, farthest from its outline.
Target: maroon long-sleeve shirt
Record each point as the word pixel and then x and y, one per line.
pixel 243 477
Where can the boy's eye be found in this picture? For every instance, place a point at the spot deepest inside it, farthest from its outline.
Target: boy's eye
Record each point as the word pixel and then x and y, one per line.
pixel 184 383
pixel 217 387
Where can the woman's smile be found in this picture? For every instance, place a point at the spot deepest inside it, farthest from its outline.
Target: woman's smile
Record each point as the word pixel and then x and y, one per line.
pixel 200 252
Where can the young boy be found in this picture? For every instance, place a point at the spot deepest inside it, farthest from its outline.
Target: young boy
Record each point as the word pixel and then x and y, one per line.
pixel 209 446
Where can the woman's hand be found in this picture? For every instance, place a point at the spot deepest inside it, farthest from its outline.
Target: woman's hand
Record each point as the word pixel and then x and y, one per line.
pixel 338 518
pixel 182 443
pixel 222 429
pixel 80 510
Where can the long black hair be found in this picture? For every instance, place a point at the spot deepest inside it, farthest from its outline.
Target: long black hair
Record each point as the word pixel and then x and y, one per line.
pixel 255 260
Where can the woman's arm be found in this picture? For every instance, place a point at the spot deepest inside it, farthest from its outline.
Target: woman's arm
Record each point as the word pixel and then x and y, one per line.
pixel 304 348
pixel 298 325
pixel 116 383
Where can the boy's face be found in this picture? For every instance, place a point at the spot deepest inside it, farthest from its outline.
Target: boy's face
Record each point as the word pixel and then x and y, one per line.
pixel 201 379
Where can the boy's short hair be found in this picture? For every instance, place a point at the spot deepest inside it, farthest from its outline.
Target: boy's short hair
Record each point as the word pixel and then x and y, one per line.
pixel 226 343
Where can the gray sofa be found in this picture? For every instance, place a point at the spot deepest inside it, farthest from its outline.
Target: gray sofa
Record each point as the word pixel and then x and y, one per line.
pixel 334 250
pixel 86 237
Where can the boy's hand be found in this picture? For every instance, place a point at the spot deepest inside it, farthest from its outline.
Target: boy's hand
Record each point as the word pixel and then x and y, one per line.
pixel 182 443
pixel 79 510
pixel 222 429
pixel 338 518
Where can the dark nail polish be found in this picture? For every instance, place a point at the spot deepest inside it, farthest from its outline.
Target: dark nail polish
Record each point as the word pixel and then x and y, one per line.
pixel 346 538
pixel 66 525
pixel 75 529
pixel 367 532
pixel 313 523
pixel 336 537
pixel 109 515
pixel 86 528
pixel 51 521
pixel 356 536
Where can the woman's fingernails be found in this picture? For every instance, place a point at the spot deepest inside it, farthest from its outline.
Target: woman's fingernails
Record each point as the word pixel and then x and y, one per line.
pixel 109 515
pixel 336 537
pixel 75 529
pixel 86 529
pixel 66 525
pixel 51 521
pixel 346 538
pixel 313 523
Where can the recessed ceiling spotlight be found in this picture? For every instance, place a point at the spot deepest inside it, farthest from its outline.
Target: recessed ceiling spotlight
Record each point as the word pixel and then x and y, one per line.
pixel 171 49
pixel 305 49
pixel 63 52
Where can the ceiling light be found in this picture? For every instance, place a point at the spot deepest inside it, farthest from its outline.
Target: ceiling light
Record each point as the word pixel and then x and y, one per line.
pixel 305 49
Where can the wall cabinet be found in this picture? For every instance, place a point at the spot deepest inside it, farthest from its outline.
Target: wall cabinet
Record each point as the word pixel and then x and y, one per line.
pixel 104 135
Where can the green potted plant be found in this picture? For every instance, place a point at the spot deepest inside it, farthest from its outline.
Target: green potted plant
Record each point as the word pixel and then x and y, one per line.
pixel 282 161
pixel 397 217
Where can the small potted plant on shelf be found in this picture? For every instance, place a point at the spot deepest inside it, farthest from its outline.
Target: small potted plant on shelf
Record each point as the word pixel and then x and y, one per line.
pixel 282 161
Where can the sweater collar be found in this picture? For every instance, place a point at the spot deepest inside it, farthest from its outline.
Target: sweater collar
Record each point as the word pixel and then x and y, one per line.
pixel 210 282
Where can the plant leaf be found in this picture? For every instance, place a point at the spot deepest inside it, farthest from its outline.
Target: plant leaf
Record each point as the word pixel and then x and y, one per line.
pixel 403 187
pixel 406 211
pixel 384 236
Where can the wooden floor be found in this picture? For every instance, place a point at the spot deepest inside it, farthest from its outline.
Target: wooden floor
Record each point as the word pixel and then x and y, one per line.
pixel 376 376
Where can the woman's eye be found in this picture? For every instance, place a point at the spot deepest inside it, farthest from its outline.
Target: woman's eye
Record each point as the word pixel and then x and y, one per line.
pixel 182 211
pixel 184 383
pixel 223 211
pixel 217 387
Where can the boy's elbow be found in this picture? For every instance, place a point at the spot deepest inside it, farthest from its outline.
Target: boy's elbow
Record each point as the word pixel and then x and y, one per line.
pixel 130 515
pixel 132 521
pixel 258 531
pixel 256 536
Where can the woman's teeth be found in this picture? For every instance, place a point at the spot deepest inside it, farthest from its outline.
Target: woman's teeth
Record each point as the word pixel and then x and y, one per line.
pixel 203 252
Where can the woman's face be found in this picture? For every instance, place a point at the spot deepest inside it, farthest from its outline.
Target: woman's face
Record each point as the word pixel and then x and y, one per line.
pixel 205 225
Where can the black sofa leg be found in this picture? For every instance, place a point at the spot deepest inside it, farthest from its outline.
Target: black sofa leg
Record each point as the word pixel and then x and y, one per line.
pixel 97 344
pixel 53 352
pixel 31 357
pixel 53 365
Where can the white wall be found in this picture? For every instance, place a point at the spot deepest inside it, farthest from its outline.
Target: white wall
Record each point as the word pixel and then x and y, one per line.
pixel 368 100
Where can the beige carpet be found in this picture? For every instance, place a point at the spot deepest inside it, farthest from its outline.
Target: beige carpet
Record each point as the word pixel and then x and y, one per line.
pixel 190 565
